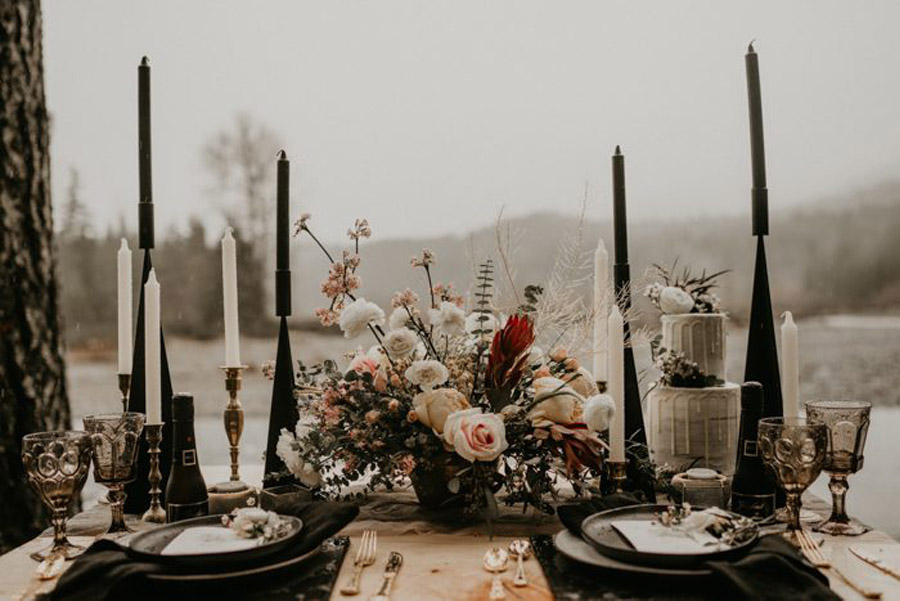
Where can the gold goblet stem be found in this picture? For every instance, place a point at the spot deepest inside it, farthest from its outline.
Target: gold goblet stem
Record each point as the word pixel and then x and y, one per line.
pixel 156 514
pixel 124 388
pixel 234 417
pixel 617 474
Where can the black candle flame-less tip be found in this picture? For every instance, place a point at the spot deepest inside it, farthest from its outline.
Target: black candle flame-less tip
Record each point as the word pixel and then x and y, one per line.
pixel 618 150
pixel 145 62
pixel 750 49
pixel 282 155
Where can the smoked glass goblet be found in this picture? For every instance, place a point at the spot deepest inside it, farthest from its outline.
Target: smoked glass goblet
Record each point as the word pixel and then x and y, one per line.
pixel 116 438
pixel 56 465
pixel 848 425
pixel 795 450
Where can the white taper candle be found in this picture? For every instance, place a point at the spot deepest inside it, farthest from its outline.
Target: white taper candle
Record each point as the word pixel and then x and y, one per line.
pixel 601 309
pixel 230 301
pixel 124 294
pixel 790 366
pixel 616 380
pixel 152 374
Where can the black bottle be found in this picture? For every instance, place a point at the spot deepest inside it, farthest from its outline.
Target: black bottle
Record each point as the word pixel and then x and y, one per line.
pixel 186 495
pixel 752 488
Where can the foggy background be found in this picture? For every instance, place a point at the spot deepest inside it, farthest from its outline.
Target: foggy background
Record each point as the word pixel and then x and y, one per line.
pixel 428 117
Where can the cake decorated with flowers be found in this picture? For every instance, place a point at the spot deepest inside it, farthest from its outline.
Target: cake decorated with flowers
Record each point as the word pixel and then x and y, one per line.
pixel 694 412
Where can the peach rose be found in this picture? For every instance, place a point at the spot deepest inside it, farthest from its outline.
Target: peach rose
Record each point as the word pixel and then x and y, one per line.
pixel 582 382
pixel 555 401
pixel 434 406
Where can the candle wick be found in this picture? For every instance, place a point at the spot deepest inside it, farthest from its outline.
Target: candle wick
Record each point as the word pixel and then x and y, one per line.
pixel 750 47
pixel 618 149
pixel 145 62
pixel 282 155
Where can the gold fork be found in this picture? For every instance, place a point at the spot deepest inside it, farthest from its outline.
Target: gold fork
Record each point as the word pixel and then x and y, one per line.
pixel 813 553
pixel 365 556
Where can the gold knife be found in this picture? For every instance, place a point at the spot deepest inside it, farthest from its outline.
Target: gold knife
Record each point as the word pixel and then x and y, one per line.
pixel 873 559
pixel 390 572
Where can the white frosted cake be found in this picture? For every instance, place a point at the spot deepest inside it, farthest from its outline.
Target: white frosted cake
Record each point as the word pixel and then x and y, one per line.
pixel 696 426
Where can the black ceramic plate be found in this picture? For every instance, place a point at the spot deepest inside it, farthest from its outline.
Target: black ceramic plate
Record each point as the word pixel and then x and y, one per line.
pixel 578 550
pixel 599 532
pixel 236 572
pixel 148 546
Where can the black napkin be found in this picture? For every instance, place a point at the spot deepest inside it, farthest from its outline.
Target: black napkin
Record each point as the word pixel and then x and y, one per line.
pixel 106 571
pixel 771 571
pixel 572 515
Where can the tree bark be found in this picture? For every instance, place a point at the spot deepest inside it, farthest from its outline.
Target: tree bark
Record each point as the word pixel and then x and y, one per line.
pixel 32 371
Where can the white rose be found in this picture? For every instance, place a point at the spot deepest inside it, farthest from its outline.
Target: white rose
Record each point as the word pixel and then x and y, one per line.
pixel 675 301
pixel 357 316
pixel 427 374
pixel 399 319
pixel 400 343
pixel 434 406
pixel 288 449
pixel 476 436
pixel 448 318
pixel 555 401
pixel 599 411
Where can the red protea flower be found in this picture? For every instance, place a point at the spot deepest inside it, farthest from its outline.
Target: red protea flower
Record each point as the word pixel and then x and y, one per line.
pixel 509 353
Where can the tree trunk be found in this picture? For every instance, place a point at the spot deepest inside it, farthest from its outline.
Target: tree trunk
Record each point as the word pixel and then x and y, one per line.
pixel 32 372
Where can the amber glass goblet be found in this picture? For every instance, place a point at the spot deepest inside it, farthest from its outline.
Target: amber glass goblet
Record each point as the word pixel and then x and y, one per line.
pixel 116 438
pixel 848 425
pixel 56 465
pixel 795 450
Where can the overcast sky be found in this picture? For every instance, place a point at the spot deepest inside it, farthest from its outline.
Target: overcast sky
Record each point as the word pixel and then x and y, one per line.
pixel 427 116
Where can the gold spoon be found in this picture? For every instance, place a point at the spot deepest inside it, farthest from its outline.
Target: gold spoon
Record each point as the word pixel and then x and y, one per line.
pixel 495 561
pixel 521 550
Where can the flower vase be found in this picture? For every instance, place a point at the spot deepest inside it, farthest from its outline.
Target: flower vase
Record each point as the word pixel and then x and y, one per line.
pixel 431 480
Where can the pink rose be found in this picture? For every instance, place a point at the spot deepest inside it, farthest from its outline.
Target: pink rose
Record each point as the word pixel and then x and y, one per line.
pixel 476 436
pixel 363 363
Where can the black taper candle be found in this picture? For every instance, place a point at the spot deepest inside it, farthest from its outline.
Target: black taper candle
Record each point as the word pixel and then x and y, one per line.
pixel 634 416
pixel 282 250
pixel 760 192
pixel 621 227
pixel 145 177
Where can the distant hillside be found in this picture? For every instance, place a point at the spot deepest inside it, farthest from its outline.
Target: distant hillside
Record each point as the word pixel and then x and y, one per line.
pixel 839 255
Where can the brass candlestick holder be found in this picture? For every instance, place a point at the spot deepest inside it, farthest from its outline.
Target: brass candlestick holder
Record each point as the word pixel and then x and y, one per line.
pixel 234 417
pixel 156 514
pixel 124 388
pixel 617 474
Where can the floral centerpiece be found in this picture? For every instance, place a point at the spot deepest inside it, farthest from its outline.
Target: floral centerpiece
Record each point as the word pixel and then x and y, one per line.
pixel 458 401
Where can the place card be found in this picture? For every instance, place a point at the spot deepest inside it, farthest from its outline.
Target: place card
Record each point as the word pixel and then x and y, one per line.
pixel 206 540
pixel 653 537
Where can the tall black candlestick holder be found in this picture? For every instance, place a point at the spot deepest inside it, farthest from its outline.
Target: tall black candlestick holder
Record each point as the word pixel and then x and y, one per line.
pixel 124 387
pixel 138 499
pixel 762 352
pixel 634 416
pixel 283 410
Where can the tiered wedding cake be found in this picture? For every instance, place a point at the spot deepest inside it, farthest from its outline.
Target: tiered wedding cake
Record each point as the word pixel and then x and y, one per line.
pixel 694 410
